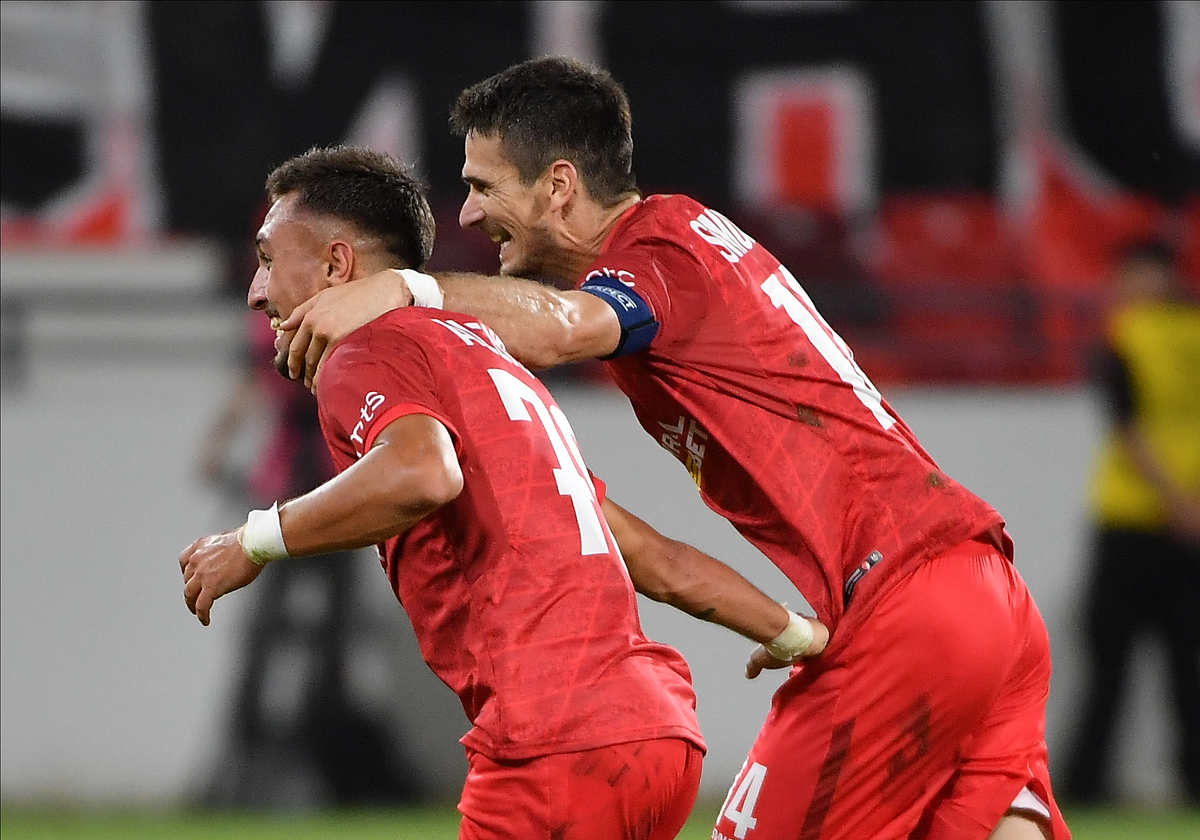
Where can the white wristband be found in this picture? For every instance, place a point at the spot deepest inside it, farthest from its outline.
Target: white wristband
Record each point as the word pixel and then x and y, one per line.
pixel 794 641
pixel 262 537
pixel 425 289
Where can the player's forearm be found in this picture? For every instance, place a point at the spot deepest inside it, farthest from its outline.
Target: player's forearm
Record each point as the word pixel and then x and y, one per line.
pixel 329 519
pixel 383 495
pixel 540 325
pixel 704 587
pixel 675 573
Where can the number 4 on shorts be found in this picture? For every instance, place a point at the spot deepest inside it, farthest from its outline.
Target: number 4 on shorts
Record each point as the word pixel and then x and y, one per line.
pixel 739 805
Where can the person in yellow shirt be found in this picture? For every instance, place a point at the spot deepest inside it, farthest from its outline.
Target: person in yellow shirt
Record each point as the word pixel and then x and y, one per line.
pixel 1145 505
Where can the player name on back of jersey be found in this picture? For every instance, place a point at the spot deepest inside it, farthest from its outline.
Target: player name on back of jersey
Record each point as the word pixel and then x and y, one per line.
pixel 475 333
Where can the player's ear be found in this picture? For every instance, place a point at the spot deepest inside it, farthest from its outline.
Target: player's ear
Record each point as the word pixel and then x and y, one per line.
pixel 339 262
pixel 562 179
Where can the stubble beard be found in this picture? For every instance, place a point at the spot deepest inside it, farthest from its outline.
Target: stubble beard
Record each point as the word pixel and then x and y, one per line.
pixel 539 260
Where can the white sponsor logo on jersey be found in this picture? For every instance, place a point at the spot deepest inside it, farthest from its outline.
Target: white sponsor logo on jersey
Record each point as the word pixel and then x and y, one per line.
pixel 367 413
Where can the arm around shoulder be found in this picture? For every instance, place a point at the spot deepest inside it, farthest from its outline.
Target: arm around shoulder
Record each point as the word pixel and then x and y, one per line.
pixel 540 325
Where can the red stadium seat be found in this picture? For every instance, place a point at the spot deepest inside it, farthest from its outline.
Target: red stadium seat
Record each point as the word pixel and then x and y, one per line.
pixel 952 238
pixel 1073 230
pixel 1189 243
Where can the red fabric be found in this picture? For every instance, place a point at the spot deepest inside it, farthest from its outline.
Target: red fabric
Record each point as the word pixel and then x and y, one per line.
pixel 927 724
pixel 540 641
pixel 601 488
pixel 761 401
pixel 643 790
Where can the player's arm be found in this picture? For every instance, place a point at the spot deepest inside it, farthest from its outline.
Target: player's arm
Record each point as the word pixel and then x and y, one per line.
pixel 675 573
pixel 410 471
pixel 541 326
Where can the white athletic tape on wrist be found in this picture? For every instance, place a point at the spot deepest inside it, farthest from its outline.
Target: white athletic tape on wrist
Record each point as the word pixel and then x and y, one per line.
pixel 425 289
pixel 262 536
pixel 794 641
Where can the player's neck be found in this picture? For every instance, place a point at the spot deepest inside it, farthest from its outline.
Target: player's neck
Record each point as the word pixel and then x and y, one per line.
pixel 587 231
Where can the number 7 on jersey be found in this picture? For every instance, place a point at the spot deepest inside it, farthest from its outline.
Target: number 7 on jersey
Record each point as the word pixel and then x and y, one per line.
pixel 573 481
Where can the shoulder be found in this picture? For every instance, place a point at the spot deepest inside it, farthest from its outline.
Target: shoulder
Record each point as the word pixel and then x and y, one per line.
pixel 659 227
pixel 662 215
pixel 410 326
pixel 401 336
pixel 682 223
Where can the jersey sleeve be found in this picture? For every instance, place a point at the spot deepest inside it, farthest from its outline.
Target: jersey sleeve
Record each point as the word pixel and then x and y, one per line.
pixel 374 377
pixel 600 487
pixel 657 290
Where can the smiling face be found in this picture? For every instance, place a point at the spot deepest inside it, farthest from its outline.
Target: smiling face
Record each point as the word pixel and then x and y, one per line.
pixel 293 263
pixel 514 215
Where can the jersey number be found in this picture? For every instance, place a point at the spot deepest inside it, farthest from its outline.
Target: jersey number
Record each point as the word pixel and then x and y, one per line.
pixel 572 479
pixel 739 805
pixel 789 295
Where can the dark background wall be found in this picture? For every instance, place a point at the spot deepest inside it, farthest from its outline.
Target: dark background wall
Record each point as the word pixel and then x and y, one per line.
pixel 959 94
pixel 221 120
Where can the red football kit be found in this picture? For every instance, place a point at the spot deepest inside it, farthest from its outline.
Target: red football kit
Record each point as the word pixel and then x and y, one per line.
pixel 729 367
pixel 518 596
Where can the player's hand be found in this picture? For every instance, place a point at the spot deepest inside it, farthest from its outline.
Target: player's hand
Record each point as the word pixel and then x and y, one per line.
pixel 761 661
pixel 213 566
pixel 332 314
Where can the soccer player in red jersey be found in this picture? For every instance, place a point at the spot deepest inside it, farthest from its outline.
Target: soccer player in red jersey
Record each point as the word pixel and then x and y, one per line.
pixel 456 461
pixel 925 716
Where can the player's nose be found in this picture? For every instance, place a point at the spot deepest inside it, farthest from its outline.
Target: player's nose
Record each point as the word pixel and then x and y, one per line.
pixel 471 213
pixel 256 298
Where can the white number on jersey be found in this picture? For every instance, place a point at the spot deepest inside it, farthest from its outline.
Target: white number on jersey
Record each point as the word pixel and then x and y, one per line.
pixel 739 805
pixel 571 476
pixel 791 297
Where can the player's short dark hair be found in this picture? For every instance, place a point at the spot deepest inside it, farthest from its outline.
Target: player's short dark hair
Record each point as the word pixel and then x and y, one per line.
pixel 374 191
pixel 547 109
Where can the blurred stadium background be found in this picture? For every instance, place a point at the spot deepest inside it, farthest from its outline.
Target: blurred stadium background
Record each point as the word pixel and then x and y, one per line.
pixel 948 179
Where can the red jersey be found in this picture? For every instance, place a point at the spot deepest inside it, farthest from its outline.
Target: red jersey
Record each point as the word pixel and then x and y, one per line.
pixel 785 436
pixel 520 601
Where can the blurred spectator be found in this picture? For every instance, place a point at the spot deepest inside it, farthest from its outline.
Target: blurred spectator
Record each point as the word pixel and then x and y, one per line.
pixel 299 738
pixel 1145 500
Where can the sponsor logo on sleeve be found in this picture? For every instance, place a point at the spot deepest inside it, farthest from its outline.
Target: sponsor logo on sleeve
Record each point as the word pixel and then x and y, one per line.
pixel 626 277
pixel 369 411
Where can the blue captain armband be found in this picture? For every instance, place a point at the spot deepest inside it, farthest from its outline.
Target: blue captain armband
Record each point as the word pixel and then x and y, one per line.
pixel 638 324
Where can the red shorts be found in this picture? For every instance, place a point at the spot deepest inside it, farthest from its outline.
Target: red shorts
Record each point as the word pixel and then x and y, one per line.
pixel 643 790
pixel 928 724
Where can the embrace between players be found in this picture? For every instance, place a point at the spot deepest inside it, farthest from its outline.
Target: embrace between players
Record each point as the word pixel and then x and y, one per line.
pixel 915 706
